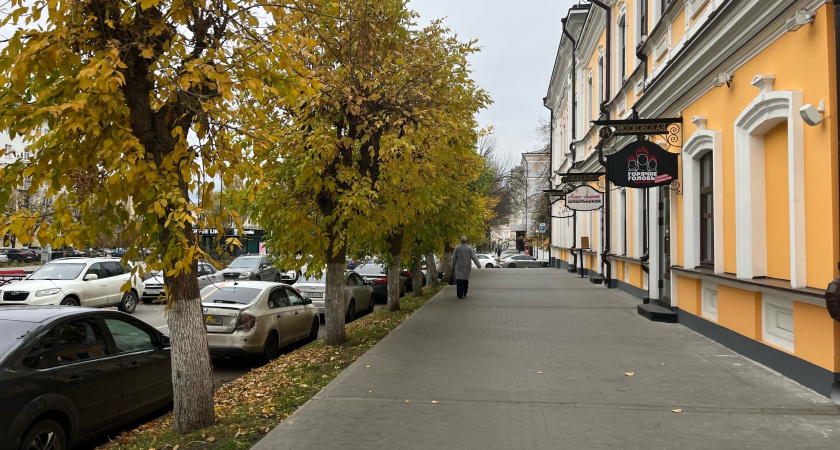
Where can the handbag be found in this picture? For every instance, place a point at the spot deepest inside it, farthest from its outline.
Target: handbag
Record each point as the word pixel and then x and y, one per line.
pixel 452 279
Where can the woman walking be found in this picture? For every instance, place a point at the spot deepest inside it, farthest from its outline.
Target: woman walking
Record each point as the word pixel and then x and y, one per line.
pixel 461 259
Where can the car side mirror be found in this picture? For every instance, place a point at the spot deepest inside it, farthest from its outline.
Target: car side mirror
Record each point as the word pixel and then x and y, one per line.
pixel 164 340
pixel 91 277
pixel 307 301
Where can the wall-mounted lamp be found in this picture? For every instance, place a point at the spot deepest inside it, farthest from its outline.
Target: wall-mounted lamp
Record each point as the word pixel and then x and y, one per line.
pixel 799 20
pixel 812 115
pixel 722 78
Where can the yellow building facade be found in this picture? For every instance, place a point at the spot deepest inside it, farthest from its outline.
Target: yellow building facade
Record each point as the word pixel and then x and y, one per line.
pixel 742 247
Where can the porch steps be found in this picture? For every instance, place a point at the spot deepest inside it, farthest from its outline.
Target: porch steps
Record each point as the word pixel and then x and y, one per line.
pixel 656 313
pixel 596 279
pixel 572 269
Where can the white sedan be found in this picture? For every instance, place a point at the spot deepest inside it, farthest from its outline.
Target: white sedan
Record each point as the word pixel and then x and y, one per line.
pixel 358 293
pixel 488 261
pixel 256 318
pixel 522 261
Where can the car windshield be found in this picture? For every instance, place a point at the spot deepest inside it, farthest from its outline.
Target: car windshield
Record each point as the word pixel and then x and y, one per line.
pixel 229 293
pixel 62 271
pixel 245 263
pixel 12 333
pixel 371 269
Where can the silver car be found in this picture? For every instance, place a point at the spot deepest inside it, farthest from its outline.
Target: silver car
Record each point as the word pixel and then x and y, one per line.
pixel 256 318
pixel 358 294
pixel 522 261
pixel 256 267
pixel 153 287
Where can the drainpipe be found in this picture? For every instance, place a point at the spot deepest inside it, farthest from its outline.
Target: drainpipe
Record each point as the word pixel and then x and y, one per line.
pixel 574 132
pixel 607 55
pixel 606 112
pixel 550 170
pixel 574 91
pixel 832 292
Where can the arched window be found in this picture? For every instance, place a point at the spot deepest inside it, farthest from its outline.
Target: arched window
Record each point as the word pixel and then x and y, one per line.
pixel 601 82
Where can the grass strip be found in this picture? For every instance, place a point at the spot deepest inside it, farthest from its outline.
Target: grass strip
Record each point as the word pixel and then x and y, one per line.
pixel 250 406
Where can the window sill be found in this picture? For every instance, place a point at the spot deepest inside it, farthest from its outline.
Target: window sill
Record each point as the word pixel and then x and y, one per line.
pixel 812 296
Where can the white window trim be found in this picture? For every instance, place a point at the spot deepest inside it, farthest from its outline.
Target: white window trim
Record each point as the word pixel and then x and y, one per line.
pixel 700 143
pixel 776 312
pixel 767 110
pixel 617 81
pixel 709 301
pixel 692 8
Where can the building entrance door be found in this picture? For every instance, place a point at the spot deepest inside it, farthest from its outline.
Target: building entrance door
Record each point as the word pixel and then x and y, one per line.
pixel 665 244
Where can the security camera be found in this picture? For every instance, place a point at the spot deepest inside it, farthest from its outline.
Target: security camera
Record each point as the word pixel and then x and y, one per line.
pixel 800 19
pixel 722 78
pixel 810 114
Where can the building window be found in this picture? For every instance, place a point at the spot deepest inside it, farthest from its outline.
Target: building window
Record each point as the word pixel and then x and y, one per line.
pixel 643 18
pixel 589 100
pixel 601 81
pixel 622 50
pixel 707 211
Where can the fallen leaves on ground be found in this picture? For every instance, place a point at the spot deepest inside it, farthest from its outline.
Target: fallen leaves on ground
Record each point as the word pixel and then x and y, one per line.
pixel 630 374
pixel 678 410
pixel 250 406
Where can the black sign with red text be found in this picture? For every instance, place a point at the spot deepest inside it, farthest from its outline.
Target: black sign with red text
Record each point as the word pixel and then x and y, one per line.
pixel 642 164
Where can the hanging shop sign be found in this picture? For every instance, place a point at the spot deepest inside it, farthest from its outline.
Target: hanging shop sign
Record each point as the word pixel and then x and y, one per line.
pixel 581 177
pixel 632 127
pixel 642 164
pixel 584 198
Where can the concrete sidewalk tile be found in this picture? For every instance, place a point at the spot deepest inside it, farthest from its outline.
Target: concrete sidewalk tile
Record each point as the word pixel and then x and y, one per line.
pixel 480 358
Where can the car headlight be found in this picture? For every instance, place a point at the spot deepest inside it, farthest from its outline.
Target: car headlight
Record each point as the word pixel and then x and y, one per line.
pixel 245 274
pixel 46 292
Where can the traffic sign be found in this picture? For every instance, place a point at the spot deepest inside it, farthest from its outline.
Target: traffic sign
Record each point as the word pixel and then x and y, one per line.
pixel 542 228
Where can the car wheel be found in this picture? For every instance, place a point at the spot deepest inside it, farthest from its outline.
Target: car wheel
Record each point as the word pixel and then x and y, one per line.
pixel 44 435
pixel 258 278
pixel 277 278
pixel 488 266
pixel 313 331
pixel 70 301
pixel 511 266
pixel 129 302
pixel 271 348
pixel 351 312
pixel 545 264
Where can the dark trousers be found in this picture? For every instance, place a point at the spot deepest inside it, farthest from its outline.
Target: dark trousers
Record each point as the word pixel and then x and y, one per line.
pixel 461 287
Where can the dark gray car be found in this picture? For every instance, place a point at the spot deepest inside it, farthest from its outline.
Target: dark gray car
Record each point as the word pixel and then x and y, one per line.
pixel 256 267
pixel 68 374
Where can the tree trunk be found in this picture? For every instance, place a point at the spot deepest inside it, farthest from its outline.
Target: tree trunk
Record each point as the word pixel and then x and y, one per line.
pixel 431 269
pixel 395 242
pixel 417 277
pixel 447 262
pixel 334 308
pixel 192 373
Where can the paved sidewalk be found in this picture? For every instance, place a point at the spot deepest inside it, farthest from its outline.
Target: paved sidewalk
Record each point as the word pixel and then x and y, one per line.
pixel 536 358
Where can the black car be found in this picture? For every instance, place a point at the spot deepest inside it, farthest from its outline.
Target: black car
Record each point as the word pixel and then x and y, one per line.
pixel 68 374
pixel 21 254
pixel 377 274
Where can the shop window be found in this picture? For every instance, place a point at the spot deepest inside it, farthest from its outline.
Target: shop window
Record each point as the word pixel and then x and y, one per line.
pixel 707 211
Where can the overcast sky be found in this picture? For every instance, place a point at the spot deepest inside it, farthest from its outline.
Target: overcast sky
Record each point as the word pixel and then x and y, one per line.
pixel 519 40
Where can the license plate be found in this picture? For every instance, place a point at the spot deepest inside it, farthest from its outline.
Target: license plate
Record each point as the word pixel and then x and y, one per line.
pixel 210 320
pixel 152 292
pixel 313 294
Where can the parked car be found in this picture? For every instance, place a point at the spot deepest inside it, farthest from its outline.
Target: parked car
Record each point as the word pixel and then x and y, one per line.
pixel 153 286
pixel 3 258
pixel 358 293
pixel 509 252
pixel 377 274
pixel 256 318
pixel 70 374
pixel 20 254
pixel 289 276
pixel 488 261
pixel 77 282
pixel 256 267
pixel 522 261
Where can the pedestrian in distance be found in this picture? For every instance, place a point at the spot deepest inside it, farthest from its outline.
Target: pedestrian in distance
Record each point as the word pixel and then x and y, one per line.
pixel 461 259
